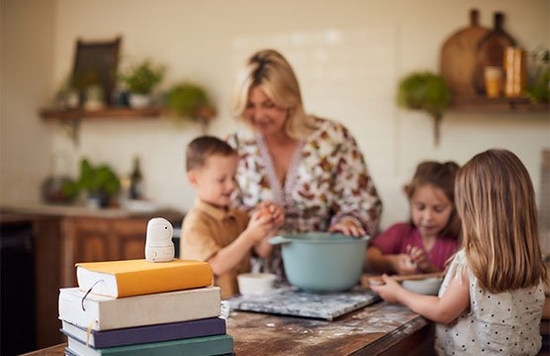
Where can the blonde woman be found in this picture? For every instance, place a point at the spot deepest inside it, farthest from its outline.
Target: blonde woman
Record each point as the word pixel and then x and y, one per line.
pixel 491 299
pixel 309 165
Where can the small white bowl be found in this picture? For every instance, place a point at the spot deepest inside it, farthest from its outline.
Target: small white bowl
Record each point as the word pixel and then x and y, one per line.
pixel 429 286
pixel 255 283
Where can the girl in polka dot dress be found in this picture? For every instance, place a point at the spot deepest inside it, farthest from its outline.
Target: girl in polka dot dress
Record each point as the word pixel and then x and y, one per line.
pixel 491 299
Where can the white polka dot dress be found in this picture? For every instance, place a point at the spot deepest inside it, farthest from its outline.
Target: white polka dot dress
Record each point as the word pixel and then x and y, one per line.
pixel 496 324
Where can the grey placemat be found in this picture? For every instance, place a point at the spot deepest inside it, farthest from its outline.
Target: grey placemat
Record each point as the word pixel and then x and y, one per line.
pixel 291 301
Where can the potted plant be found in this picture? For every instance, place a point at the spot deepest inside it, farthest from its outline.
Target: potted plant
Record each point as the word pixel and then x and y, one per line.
pixel 538 88
pixel 425 91
pixel 100 183
pixel 190 101
pixel 140 80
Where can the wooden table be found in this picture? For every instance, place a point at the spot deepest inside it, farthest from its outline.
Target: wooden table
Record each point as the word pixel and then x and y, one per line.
pixel 380 329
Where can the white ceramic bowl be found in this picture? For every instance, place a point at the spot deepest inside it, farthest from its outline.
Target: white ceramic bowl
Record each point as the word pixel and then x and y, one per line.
pixel 429 286
pixel 255 283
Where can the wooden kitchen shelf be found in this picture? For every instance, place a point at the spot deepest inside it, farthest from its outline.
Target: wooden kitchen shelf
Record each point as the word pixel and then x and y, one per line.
pixel 107 113
pixel 496 105
pixel 70 119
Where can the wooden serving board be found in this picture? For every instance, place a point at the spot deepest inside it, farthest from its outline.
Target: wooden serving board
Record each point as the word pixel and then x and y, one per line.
pixel 459 55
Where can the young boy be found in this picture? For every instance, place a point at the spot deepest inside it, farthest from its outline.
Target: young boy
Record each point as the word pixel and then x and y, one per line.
pixel 214 232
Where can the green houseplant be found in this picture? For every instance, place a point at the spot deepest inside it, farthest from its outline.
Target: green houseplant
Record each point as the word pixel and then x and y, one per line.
pixel 140 80
pixel 538 87
pixel 425 91
pixel 188 100
pixel 100 182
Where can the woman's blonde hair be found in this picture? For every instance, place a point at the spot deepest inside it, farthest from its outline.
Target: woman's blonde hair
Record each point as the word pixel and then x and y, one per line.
pixel 270 71
pixel 496 201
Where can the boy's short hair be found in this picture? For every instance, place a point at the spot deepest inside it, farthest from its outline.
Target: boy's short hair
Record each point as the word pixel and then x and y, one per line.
pixel 203 147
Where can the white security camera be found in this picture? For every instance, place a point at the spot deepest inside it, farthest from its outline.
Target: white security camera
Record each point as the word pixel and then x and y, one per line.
pixel 158 244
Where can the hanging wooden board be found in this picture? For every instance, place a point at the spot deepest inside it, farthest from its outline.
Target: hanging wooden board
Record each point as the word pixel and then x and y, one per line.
pixel 458 58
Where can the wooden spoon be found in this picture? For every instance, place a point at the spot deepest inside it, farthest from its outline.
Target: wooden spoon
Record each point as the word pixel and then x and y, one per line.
pixel 367 280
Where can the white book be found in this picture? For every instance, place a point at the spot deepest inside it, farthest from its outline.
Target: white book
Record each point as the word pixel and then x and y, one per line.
pixel 105 313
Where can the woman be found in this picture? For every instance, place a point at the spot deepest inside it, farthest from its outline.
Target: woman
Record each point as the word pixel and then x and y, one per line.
pixel 311 166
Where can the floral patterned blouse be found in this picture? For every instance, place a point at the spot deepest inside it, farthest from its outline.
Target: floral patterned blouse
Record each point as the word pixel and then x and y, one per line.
pixel 326 181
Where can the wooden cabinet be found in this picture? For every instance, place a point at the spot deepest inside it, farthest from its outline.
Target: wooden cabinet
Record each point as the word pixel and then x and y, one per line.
pixel 47 260
pixel 30 274
pixel 89 239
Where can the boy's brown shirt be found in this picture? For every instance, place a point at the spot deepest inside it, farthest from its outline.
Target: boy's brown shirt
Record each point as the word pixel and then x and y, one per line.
pixel 207 229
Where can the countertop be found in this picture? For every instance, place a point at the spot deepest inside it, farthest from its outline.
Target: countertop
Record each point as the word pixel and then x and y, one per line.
pixel 374 330
pixel 74 210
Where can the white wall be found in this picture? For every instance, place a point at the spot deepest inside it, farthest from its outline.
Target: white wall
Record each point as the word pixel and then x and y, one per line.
pixel 27 30
pixel 349 56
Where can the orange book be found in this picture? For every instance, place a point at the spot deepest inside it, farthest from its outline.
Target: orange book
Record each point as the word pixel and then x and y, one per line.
pixel 118 279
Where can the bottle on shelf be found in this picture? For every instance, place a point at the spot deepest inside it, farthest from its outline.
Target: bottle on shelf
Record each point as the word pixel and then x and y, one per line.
pixel 490 51
pixel 515 69
pixel 136 181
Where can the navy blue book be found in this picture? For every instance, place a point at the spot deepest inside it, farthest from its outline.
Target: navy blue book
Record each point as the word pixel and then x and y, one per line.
pixel 145 334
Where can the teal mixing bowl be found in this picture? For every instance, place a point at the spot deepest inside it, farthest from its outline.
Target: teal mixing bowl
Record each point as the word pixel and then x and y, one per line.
pixel 322 262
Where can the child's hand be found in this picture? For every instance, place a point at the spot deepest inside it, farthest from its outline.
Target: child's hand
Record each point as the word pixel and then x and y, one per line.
pixel 419 257
pixel 276 212
pixel 402 264
pixel 388 290
pixel 263 209
pixel 260 225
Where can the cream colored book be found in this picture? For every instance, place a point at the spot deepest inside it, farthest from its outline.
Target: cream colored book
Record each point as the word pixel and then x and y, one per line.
pixel 126 278
pixel 105 313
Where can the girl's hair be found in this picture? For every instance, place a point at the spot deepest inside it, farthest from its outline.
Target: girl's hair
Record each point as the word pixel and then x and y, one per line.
pixel 270 71
pixel 203 147
pixel 442 176
pixel 496 201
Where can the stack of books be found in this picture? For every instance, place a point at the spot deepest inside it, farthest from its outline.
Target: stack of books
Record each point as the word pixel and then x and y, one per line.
pixel 135 307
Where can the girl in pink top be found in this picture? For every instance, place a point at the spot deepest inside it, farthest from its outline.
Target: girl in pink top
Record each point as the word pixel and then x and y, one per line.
pixel 426 242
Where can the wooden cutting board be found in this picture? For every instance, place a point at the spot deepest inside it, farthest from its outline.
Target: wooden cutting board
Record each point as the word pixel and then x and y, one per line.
pixel 459 55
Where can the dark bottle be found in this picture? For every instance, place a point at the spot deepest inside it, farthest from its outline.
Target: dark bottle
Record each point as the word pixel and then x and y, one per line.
pixel 490 50
pixel 136 181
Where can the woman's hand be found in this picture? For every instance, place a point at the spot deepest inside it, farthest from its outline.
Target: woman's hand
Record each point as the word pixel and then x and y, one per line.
pixel 277 214
pixel 388 290
pixel 349 227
